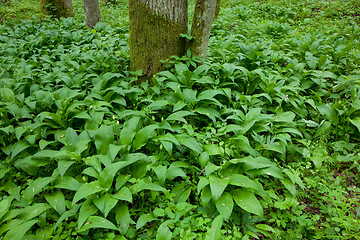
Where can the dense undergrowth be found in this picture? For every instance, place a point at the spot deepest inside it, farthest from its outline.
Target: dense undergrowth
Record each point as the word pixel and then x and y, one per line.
pixel 261 142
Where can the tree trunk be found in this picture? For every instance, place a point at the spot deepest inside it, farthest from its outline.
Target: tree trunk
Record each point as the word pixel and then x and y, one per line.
pixel 217 9
pixel 204 15
pixel 155 28
pixel 57 8
pixel 92 12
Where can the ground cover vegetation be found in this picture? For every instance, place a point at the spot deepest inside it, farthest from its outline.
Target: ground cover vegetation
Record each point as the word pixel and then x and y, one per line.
pixel 259 142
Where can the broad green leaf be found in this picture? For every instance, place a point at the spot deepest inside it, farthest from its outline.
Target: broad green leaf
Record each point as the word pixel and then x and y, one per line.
pixel 217 186
pixel 129 130
pixel 4 227
pixel 144 219
pixel 114 150
pixel 286 117
pixel 179 116
pixel 5 206
pixel 213 149
pixel 82 115
pixel 7 94
pixel 173 172
pixel 45 154
pixel 253 162
pixel 294 178
pixel 121 179
pixel 159 104
pixel 324 126
pixel 206 196
pixel 356 122
pixel 81 146
pixel 289 185
pixel 123 194
pixel 214 232
pixel 104 136
pixel 203 159
pixel 243 143
pixel 67 182
pixel 163 232
pixel 254 114
pixel 85 190
pixel 210 168
pixel 169 138
pixel 168 146
pixel 18 147
pixel 144 135
pixel 209 94
pixel 71 138
pixel 247 201
pixel 293 131
pixel 231 128
pixel 202 183
pixel 105 159
pixel 57 201
pixel 189 95
pixel 97 222
pixel 105 203
pixel 66 215
pixel 191 143
pixel 106 177
pixel 123 218
pixel 328 113
pixel 36 187
pixel 242 181
pixel 32 211
pixel 87 209
pixel 178 106
pixel 225 205
pixel 265 227
pixel 90 171
pixel 19 231
pixel 181 67
pixel 160 172
pixel 270 171
pixel 169 75
pixel 146 186
pixel 183 196
pixel 279 147
pixel 63 166
pixel 246 126
pixel 209 112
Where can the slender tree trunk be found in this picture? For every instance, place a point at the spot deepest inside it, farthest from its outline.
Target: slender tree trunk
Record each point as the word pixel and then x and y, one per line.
pixel 155 28
pixel 57 8
pixel 217 9
pixel 92 12
pixel 204 15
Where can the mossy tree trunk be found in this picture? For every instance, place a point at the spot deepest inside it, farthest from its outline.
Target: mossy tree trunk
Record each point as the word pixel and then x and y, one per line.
pixel 57 8
pixel 155 28
pixel 92 12
pixel 205 13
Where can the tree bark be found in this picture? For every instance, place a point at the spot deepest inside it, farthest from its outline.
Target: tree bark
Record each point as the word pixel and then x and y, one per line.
pixel 204 15
pixel 217 9
pixel 155 28
pixel 92 12
pixel 57 8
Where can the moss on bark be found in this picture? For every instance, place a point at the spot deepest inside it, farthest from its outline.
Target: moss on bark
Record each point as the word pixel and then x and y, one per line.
pixel 92 12
pixel 155 28
pixel 57 8
pixel 204 15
